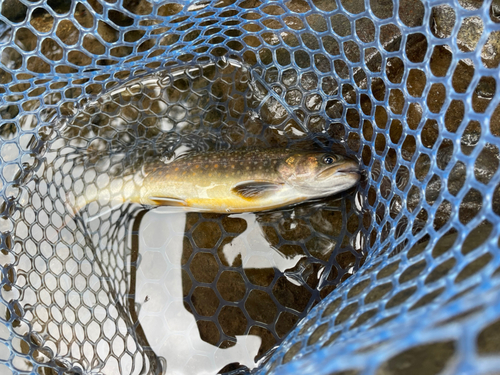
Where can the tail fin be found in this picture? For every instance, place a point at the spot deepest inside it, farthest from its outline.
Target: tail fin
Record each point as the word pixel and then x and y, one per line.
pixel 106 199
pixel 114 194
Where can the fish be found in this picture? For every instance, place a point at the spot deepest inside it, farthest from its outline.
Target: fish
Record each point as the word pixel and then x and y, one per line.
pixel 237 181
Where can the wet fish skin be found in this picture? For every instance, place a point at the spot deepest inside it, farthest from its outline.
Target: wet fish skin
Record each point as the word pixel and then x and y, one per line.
pixel 246 180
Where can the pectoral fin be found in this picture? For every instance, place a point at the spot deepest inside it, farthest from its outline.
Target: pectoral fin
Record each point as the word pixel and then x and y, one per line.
pixel 255 189
pixel 166 201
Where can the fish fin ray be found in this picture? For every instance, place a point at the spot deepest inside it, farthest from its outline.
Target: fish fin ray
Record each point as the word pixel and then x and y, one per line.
pixel 168 201
pixel 255 189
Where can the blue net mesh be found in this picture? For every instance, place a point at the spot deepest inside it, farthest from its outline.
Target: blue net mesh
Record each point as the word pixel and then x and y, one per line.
pixel 91 90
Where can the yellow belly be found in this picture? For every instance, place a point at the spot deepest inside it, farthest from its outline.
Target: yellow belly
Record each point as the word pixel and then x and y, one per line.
pixel 236 204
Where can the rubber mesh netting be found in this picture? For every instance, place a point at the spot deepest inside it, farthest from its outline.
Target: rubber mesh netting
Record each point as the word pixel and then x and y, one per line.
pixel 90 91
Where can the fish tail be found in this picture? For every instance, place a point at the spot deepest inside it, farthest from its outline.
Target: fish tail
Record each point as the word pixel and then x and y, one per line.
pixel 110 196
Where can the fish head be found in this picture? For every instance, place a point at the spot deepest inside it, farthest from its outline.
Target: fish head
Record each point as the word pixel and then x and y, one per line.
pixel 319 174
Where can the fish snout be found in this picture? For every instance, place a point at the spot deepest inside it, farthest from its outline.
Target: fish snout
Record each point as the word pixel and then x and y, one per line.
pixel 349 173
pixel 349 166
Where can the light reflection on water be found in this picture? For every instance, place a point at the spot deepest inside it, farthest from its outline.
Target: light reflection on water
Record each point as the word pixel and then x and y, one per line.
pixel 170 328
pixel 255 250
pixel 190 310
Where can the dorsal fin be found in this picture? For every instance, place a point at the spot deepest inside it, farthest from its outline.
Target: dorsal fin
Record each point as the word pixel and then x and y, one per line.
pixel 255 189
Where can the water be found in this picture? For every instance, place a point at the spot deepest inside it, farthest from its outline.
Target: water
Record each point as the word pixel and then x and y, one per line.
pixel 168 269
pixel 227 287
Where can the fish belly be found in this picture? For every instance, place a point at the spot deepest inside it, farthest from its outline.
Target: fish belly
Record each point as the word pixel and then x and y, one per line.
pixel 235 204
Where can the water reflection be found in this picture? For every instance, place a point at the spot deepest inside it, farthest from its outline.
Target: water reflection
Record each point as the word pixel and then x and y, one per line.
pixel 171 329
pixel 217 290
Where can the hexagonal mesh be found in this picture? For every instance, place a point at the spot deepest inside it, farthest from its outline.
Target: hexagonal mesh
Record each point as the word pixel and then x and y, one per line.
pixel 93 91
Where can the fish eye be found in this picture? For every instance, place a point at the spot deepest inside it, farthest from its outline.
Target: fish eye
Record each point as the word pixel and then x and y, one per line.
pixel 328 159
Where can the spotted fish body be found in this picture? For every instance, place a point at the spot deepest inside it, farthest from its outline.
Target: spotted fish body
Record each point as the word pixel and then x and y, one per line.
pixel 230 181
pixel 245 180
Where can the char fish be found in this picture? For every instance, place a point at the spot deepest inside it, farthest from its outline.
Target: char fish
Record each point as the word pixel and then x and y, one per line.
pixel 239 180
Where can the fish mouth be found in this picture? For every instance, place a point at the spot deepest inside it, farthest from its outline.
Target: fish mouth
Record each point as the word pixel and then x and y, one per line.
pixel 349 170
pixel 335 170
